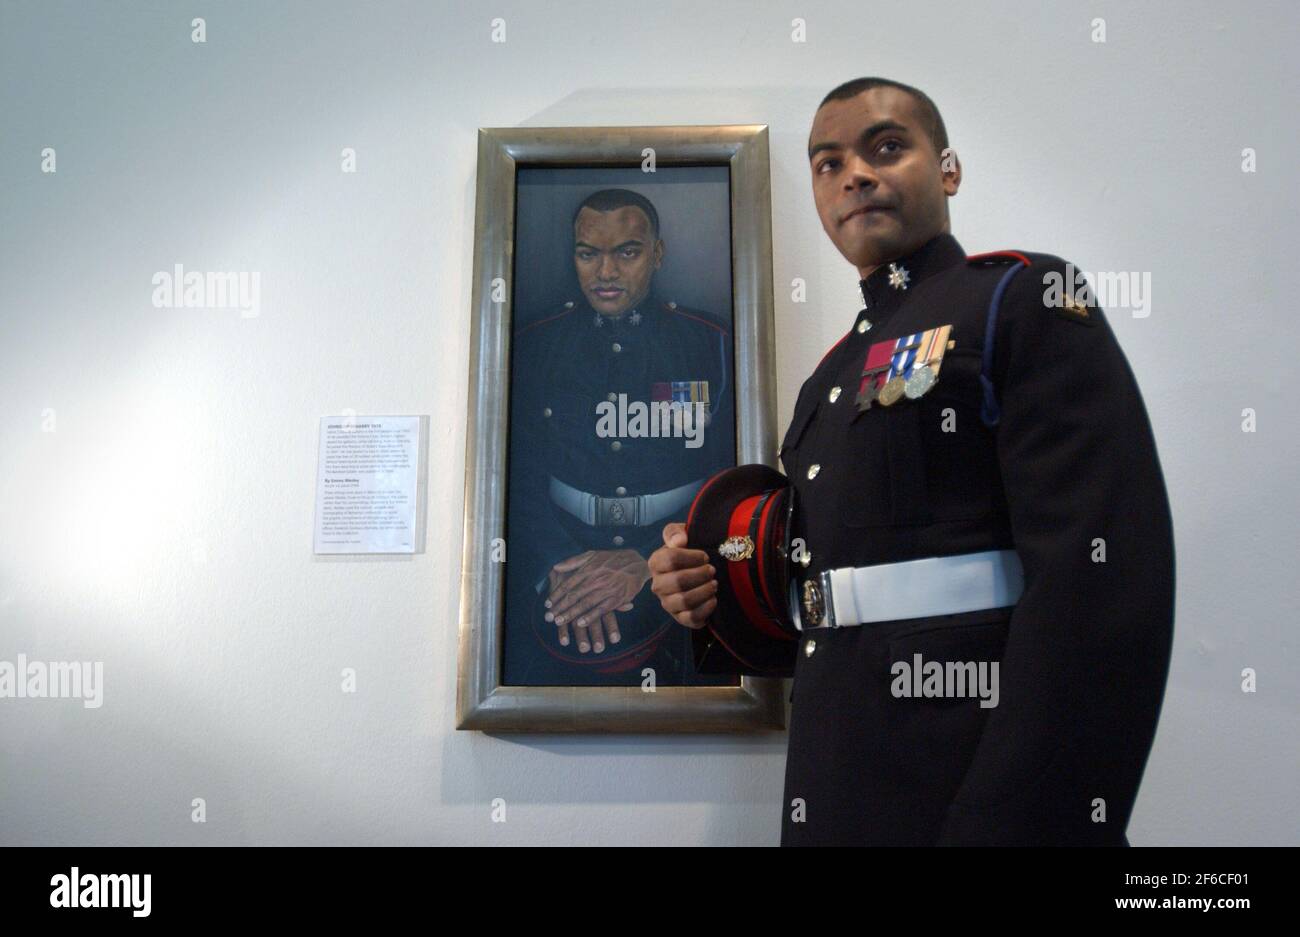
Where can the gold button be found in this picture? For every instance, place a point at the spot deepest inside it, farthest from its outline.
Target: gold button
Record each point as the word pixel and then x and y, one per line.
pixel 863 326
pixel 620 491
pixel 834 395
pixel 546 411
pixel 617 347
pixel 616 445
pixel 809 648
pixel 813 470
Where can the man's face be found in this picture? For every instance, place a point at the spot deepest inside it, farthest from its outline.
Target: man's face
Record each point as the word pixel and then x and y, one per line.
pixel 616 257
pixel 879 185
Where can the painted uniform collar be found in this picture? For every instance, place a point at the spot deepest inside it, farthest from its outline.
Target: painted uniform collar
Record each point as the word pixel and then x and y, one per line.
pixel 890 282
pixel 637 317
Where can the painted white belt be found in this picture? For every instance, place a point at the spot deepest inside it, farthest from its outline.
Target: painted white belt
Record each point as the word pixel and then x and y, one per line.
pixel 633 510
pixel 940 585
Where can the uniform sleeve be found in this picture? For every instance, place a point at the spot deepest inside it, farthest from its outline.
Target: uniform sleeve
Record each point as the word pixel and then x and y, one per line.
pixel 536 539
pixel 720 435
pixel 1083 673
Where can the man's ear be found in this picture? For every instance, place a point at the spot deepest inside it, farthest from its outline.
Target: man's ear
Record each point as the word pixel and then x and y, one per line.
pixel 659 253
pixel 950 166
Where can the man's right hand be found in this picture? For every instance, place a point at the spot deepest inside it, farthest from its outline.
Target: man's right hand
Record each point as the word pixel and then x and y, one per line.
pixel 683 579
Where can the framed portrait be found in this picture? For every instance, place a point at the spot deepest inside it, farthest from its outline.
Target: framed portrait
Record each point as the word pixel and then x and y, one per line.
pixel 621 354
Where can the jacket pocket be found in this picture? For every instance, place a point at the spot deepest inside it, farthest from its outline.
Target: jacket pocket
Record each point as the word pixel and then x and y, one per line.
pixel 799 422
pixel 970 636
pixel 887 485
pixel 960 468
pixel 944 684
pixel 930 460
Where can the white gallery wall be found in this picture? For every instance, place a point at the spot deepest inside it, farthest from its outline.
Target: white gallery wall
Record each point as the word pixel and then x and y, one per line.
pixel 157 465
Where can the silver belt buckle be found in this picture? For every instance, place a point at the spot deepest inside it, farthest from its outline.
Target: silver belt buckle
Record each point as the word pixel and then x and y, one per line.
pixel 818 602
pixel 617 511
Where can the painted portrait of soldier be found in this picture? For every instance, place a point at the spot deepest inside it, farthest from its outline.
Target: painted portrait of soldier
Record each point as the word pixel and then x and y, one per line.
pixel 621 406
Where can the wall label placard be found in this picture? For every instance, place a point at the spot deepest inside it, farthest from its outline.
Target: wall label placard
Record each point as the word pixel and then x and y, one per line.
pixel 367 484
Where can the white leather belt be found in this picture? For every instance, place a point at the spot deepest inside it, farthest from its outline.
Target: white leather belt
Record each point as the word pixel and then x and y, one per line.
pixel 940 585
pixel 632 511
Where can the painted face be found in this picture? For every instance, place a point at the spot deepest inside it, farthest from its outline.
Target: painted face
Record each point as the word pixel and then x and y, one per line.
pixel 615 254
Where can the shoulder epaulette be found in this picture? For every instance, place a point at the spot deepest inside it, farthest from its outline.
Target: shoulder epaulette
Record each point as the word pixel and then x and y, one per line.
pixel 671 307
pixel 991 257
pixel 568 308
pixel 990 409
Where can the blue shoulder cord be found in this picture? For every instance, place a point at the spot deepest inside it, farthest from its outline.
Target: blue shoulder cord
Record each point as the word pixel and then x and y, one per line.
pixel 990 411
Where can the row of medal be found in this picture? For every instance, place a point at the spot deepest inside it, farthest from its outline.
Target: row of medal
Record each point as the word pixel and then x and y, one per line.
pixel 907 366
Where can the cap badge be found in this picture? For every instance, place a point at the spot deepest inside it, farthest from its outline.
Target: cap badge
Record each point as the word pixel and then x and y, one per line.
pixel 736 549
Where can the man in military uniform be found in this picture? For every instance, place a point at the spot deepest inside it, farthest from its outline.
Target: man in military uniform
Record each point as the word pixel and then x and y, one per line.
pixel 976 481
pixel 591 484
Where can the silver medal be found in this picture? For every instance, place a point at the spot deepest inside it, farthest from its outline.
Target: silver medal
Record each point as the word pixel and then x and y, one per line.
pixel 920 381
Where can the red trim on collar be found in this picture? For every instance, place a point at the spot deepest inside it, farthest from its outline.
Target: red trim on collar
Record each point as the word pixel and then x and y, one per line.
pixel 1015 255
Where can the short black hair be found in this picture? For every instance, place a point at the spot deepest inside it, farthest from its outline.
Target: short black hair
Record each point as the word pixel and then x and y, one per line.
pixel 851 89
pixel 610 199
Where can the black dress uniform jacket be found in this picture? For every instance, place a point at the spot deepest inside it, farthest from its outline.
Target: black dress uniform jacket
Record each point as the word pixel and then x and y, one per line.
pixel 564 365
pixel 1068 468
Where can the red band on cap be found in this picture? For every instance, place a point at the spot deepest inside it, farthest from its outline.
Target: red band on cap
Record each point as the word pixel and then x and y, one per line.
pixel 762 538
pixel 739 572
